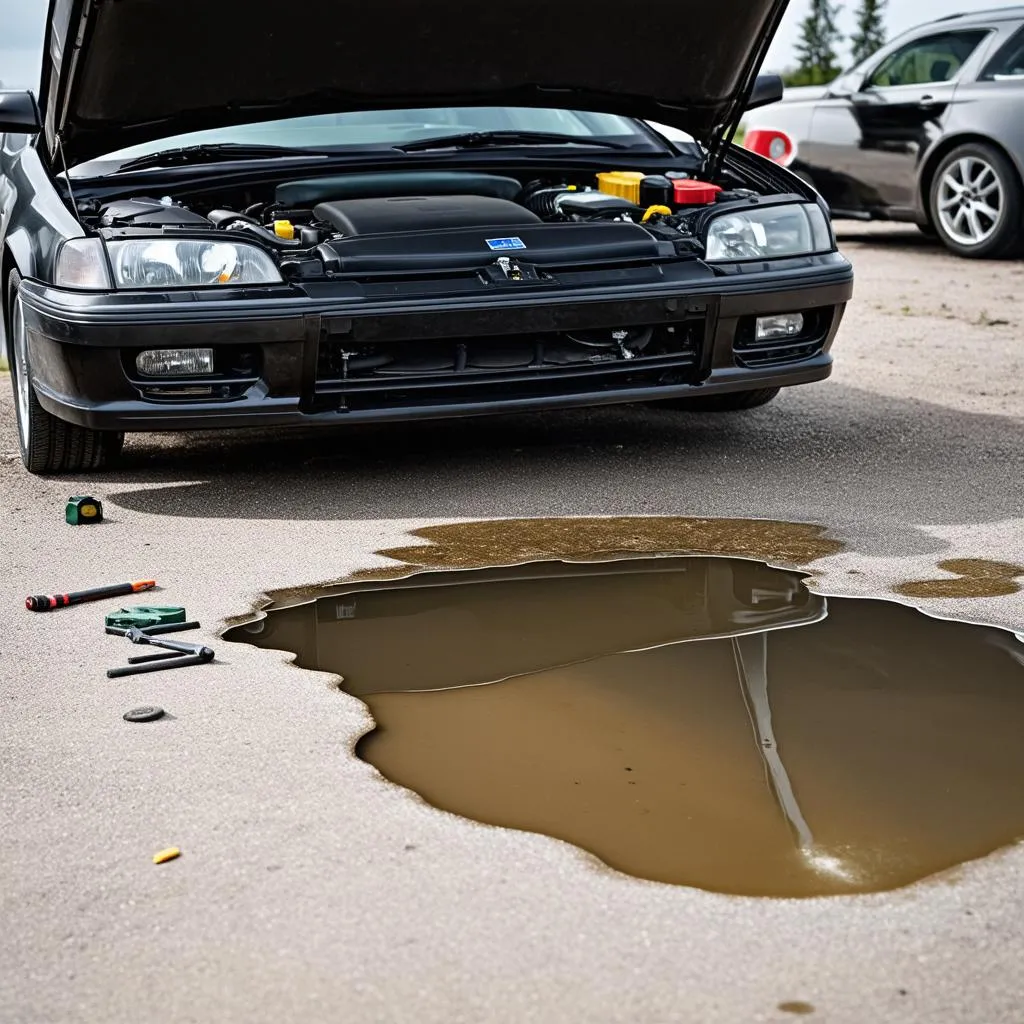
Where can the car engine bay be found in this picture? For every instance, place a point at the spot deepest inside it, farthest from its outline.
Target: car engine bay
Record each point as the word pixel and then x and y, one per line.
pixel 347 224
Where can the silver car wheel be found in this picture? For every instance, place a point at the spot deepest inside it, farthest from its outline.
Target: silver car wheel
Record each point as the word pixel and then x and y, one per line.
pixel 970 201
pixel 21 374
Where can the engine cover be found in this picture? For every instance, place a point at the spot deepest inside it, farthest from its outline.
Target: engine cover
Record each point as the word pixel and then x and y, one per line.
pixel 149 213
pixel 541 245
pixel 421 213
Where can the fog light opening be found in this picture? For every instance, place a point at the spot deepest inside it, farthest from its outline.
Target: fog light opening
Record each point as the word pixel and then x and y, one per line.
pixel 180 391
pixel 175 362
pixel 783 325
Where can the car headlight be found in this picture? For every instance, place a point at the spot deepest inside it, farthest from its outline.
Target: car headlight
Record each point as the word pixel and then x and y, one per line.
pixel 188 263
pixel 794 230
pixel 82 263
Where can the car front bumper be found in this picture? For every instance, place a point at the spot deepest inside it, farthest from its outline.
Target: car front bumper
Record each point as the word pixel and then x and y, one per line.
pixel 82 350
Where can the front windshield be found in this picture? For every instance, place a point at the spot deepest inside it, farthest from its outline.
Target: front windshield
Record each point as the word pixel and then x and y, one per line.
pixel 387 128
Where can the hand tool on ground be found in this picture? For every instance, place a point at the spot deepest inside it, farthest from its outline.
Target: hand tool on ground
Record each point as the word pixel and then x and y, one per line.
pixel 167 662
pixel 46 603
pixel 158 629
pixel 83 509
pixel 173 654
pixel 144 616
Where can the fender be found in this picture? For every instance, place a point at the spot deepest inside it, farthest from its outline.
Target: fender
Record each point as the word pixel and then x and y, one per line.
pixel 44 218
pixel 18 255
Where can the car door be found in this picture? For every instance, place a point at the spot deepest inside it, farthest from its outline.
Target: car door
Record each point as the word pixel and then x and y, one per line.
pixel 868 134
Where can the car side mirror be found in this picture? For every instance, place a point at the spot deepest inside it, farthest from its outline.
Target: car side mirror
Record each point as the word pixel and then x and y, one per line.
pixel 846 86
pixel 767 89
pixel 19 114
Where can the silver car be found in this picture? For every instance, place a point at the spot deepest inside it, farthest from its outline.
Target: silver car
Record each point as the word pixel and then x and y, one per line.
pixel 928 130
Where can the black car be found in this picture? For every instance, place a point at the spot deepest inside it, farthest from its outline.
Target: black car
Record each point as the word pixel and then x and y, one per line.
pixel 928 130
pixel 212 217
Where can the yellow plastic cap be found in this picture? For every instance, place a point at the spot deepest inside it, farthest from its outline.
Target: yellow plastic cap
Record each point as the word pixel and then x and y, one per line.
pixel 625 184
pixel 284 229
pixel 652 210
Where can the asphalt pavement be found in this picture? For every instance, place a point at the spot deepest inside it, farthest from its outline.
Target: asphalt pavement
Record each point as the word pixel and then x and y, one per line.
pixel 309 888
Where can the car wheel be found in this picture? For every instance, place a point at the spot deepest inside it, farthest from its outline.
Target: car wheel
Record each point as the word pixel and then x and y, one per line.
pixel 48 444
pixel 731 401
pixel 976 203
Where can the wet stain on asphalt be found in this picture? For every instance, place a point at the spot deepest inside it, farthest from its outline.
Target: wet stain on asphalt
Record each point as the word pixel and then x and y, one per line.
pixel 690 720
pixel 505 541
pixel 797 1006
pixel 975 577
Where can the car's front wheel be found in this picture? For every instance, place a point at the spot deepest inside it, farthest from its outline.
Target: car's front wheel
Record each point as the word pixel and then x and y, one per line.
pixel 48 444
pixel 977 203
pixel 731 401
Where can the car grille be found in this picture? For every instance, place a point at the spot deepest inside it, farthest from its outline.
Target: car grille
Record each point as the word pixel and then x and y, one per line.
pixel 432 371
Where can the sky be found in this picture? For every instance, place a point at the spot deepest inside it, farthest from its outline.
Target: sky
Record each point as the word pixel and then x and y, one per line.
pixel 900 15
pixel 21 31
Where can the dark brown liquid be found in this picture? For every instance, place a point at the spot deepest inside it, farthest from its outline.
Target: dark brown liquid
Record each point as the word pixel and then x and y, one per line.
pixel 704 721
pixel 797 1006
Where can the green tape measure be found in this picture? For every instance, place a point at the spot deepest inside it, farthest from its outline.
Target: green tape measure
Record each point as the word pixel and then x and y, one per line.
pixel 144 616
pixel 83 509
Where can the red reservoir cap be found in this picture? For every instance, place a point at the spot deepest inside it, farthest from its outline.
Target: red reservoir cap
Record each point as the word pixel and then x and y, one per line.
pixel 688 192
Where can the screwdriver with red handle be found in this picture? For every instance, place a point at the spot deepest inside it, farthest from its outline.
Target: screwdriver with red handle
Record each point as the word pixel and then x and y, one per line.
pixel 47 603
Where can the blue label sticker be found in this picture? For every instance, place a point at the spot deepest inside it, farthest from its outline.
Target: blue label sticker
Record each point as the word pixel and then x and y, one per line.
pixel 505 243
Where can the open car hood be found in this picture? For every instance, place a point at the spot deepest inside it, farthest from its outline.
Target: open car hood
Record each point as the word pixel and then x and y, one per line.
pixel 121 72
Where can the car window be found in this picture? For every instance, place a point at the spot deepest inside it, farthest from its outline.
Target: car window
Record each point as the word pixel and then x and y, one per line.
pixel 932 59
pixel 1009 61
pixel 393 127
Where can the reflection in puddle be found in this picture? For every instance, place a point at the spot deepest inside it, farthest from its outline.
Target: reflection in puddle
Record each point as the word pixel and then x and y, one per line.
pixel 705 721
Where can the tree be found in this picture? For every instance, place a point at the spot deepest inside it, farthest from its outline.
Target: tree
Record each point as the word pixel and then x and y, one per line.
pixel 816 51
pixel 794 77
pixel 870 34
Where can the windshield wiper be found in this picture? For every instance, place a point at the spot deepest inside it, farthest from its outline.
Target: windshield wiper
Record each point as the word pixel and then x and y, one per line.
pixel 211 153
pixel 481 140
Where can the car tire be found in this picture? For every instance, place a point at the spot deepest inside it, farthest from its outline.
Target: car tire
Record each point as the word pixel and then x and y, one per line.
pixel 731 401
pixel 977 203
pixel 48 444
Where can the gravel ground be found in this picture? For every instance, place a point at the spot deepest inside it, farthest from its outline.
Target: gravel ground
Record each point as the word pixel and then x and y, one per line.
pixel 310 889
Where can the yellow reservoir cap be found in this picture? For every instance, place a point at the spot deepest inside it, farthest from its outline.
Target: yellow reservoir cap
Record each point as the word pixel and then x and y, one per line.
pixel 625 184
pixel 284 229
